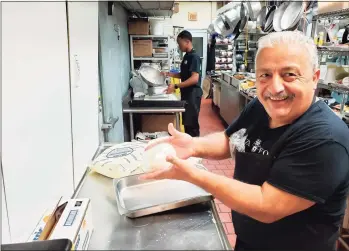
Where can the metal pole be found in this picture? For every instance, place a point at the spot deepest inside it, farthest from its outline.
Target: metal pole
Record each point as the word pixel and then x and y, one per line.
pixel 178 126
pixel 344 99
pixel 131 127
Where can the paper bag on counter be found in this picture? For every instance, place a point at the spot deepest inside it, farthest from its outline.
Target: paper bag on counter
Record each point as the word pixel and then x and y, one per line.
pixel 120 160
pixel 125 159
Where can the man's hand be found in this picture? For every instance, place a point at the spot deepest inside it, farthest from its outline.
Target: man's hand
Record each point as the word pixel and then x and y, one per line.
pixel 164 73
pixel 180 170
pixel 170 89
pixel 182 142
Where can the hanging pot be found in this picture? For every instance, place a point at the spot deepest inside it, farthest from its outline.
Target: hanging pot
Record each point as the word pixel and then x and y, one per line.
pixel 254 7
pixel 230 19
pixel 218 25
pixel 210 29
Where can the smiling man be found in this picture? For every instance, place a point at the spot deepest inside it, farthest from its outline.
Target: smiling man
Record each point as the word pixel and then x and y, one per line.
pixel 291 155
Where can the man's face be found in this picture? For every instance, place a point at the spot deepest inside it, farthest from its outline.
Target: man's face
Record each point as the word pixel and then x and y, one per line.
pixel 183 44
pixel 285 82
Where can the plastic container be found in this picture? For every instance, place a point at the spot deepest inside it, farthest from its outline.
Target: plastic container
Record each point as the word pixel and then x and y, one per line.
pixel 316 39
pixel 321 39
pixel 156 27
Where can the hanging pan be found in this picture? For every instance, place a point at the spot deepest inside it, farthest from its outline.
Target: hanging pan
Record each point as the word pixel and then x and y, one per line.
pixel 292 15
pixel 244 16
pixel 268 21
pixel 278 15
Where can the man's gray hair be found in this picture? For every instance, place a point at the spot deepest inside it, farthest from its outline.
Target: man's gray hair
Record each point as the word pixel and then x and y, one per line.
pixel 291 38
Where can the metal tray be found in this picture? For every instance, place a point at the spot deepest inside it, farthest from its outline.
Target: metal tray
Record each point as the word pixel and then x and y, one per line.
pixel 136 198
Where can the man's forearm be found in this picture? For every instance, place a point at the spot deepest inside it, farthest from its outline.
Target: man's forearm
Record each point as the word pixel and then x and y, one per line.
pixel 241 197
pixel 213 146
pixel 189 82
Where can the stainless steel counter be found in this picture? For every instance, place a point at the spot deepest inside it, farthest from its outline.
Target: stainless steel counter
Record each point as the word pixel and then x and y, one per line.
pixel 189 228
pixel 230 102
pixel 131 110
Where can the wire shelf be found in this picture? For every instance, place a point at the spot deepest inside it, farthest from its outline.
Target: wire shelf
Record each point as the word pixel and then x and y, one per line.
pixel 334 50
pixel 334 87
pixel 339 14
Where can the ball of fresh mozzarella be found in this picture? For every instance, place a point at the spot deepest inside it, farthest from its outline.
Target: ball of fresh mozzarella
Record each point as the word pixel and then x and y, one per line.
pixel 155 157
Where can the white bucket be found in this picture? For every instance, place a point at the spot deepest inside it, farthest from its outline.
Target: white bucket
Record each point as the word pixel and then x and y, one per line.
pixel 156 27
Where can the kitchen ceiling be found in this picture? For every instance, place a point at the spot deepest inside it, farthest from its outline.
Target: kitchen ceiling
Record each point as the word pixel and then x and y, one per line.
pixel 149 8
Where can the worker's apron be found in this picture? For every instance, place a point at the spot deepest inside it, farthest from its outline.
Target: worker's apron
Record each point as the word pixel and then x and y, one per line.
pixel 254 169
pixel 192 107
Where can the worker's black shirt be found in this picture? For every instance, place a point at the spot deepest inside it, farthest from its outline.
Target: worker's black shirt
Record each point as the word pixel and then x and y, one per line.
pixel 191 63
pixel 313 163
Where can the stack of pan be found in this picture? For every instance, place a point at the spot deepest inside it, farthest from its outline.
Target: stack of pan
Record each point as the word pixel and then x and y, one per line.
pixel 232 21
pixel 289 15
pixel 275 16
pixel 282 16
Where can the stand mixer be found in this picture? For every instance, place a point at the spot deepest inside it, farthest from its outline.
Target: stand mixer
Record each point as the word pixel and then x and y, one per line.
pixel 156 82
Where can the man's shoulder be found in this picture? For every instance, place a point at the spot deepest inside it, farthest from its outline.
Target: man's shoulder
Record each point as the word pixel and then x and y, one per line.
pixel 194 55
pixel 319 123
pixel 254 107
pixel 253 113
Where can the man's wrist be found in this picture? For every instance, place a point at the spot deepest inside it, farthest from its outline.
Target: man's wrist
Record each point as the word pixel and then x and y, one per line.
pixel 196 148
pixel 196 176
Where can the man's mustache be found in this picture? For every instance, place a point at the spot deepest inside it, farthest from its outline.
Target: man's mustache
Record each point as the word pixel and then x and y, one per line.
pixel 283 95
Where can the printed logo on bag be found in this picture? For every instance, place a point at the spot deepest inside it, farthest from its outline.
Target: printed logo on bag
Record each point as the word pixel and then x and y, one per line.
pixel 185 62
pixel 120 152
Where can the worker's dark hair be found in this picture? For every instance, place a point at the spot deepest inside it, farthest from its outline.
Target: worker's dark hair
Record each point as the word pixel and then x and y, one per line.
pixel 185 35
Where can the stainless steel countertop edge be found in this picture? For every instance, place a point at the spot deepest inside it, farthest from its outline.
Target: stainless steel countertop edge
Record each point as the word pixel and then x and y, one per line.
pixel 219 225
pixel 152 110
pixel 81 182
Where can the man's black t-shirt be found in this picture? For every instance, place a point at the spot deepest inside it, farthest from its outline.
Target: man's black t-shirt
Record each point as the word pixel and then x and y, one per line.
pixel 312 164
pixel 191 63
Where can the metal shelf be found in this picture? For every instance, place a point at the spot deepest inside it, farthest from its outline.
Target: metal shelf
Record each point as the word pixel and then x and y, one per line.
pixel 321 85
pixel 340 14
pixel 152 37
pixel 333 87
pixel 148 36
pixel 248 50
pixel 150 58
pixel 333 50
pixel 149 8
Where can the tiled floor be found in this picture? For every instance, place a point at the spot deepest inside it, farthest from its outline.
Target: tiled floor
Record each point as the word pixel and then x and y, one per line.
pixel 209 123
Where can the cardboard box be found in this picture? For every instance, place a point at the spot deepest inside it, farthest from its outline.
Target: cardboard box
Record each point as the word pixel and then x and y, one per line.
pixel 157 123
pixel 138 27
pixel 46 223
pixel 142 48
pixel 71 219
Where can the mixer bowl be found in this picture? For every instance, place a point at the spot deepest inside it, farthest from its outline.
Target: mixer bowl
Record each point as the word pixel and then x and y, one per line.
pixel 151 76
